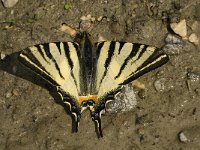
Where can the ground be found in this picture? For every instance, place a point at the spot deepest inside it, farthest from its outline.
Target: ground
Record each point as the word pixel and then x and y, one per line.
pixel 31 119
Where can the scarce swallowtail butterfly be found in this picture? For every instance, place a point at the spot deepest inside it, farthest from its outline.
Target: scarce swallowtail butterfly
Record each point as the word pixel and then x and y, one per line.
pixel 87 75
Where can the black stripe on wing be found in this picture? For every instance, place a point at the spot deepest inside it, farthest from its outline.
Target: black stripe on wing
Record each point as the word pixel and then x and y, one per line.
pixel 70 62
pixel 109 58
pixel 29 60
pixel 58 46
pixel 67 54
pixel 134 51
pixel 157 59
pixel 121 46
pixel 41 53
pixel 50 56
pixel 99 47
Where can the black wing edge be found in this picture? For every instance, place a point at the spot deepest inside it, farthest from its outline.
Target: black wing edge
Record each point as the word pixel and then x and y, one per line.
pixel 35 69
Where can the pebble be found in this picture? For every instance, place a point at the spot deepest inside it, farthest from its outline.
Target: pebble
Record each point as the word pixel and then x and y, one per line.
pixel 67 29
pixel 101 38
pixel 83 18
pixel 172 49
pixel 160 84
pixel 2 56
pixel 193 38
pixel 8 94
pixel 108 19
pixel 93 19
pixel 99 18
pixel 173 39
pixel 193 76
pixel 195 26
pixel 9 3
pixel 174 44
pixel 15 92
pixel 180 28
pixel 182 137
pixel 89 16
pixel 138 84
pixel 12 12
pixel 124 101
pixel 190 135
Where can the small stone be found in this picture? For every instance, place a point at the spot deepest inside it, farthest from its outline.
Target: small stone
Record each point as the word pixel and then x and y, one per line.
pixel 89 16
pixel 8 95
pixel 15 92
pixel 99 18
pixel 108 19
pixel 101 38
pixel 2 56
pixel 67 29
pixel 194 39
pixel 173 44
pixel 195 26
pixel 190 135
pixel 93 19
pixel 83 18
pixel 182 137
pixel 172 49
pixel 124 101
pixel 193 76
pixel 105 1
pixel 138 84
pixel 173 39
pixel 9 3
pixel 160 84
pixel 180 28
pixel 12 12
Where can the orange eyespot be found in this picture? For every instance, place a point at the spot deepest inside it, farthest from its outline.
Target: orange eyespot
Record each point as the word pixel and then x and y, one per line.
pixel 89 97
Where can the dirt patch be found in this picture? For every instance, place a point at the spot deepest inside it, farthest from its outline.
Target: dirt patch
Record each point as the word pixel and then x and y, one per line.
pixel 30 118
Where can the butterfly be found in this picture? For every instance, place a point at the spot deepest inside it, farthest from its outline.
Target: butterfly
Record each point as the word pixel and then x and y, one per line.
pixel 88 75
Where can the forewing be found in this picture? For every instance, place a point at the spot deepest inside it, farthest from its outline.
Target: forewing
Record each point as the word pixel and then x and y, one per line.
pixel 120 63
pixel 57 63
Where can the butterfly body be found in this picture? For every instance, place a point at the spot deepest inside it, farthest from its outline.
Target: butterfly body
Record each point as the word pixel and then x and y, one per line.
pixel 87 75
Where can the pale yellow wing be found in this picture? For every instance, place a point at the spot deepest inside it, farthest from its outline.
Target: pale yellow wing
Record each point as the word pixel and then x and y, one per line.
pixel 57 63
pixel 120 63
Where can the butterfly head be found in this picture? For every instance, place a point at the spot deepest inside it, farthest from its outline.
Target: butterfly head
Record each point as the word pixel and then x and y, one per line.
pixel 87 102
pixel 83 38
